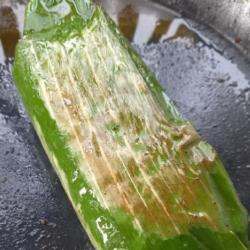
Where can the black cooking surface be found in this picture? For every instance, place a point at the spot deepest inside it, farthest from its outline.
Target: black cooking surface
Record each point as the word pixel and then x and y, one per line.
pixel 209 83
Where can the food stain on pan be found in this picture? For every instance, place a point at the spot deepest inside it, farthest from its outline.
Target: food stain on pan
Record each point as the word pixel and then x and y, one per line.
pixel 11 21
pixel 9 32
pixel 142 25
pixel 127 20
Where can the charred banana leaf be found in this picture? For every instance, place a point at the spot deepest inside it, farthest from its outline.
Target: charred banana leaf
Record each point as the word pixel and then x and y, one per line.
pixel 137 174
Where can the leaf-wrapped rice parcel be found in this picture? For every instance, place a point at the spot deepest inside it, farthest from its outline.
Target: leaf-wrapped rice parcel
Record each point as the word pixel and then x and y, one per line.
pixel 137 174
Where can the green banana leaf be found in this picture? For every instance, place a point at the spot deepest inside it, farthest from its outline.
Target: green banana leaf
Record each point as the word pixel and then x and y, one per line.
pixel 136 172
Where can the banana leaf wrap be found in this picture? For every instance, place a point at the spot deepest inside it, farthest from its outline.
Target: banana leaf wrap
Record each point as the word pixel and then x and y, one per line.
pixel 136 172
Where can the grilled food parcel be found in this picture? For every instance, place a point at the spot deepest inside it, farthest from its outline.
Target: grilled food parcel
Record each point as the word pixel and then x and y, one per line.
pixel 136 172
